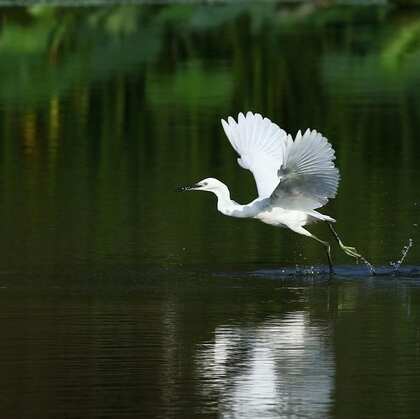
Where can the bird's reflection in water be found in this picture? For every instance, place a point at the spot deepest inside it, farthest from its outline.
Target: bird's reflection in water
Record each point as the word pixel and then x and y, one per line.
pixel 282 366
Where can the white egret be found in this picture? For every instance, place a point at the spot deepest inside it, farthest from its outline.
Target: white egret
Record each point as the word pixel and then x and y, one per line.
pixel 293 177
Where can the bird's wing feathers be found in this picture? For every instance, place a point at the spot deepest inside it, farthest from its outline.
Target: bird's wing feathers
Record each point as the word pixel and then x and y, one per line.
pixel 307 175
pixel 261 145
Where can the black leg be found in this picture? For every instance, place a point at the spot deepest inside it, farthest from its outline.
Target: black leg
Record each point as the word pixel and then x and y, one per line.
pixel 328 249
pixel 304 232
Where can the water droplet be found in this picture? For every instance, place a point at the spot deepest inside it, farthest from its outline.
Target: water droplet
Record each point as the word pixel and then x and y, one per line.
pixel 396 265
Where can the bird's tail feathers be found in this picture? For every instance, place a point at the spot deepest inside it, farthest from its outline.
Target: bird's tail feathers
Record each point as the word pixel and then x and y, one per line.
pixel 317 216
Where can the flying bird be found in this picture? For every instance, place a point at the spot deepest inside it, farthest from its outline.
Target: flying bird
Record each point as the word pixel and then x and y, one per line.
pixel 293 177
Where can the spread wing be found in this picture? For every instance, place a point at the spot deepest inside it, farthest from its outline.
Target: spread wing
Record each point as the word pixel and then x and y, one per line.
pixel 261 145
pixel 307 175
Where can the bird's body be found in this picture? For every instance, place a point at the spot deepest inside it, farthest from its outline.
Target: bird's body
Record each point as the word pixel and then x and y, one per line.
pixel 294 177
pixel 261 209
pixel 293 219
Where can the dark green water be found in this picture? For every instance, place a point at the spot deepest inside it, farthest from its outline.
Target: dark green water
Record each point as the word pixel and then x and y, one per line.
pixel 122 298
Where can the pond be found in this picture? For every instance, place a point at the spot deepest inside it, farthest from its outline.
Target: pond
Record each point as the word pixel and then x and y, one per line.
pixel 120 297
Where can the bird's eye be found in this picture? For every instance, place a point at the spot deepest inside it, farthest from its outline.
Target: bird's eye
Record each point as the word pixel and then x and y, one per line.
pixel 205 184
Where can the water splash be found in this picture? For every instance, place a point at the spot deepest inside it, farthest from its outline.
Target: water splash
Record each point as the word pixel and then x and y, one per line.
pixel 396 265
pixel 307 271
pixel 369 265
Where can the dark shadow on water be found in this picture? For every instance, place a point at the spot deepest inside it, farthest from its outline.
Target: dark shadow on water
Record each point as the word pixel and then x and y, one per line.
pixel 124 280
pixel 321 274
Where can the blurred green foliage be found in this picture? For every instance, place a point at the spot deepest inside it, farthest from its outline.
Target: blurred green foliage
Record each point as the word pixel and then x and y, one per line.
pixel 127 100
pixel 104 110
pixel 53 48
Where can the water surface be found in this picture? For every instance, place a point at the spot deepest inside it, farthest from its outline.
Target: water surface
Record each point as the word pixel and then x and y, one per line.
pixel 121 298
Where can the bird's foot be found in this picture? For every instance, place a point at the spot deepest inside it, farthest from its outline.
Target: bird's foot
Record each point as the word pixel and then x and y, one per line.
pixel 351 251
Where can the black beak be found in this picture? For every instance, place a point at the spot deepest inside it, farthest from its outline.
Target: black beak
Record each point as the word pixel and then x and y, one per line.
pixel 187 188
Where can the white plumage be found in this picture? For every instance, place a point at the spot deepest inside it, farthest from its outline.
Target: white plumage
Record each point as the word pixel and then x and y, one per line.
pixel 293 177
pixel 261 145
pixel 296 174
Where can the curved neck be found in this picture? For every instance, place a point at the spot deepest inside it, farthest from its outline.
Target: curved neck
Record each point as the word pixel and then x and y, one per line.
pixel 223 197
pixel 228 207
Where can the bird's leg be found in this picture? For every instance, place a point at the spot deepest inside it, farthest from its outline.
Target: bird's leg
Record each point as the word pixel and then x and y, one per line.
pixel 328 249
pixel 304 232
pixel 348 250
pixel 351 251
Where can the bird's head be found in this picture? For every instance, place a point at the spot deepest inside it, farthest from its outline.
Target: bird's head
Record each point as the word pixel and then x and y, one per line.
pixel 209 184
